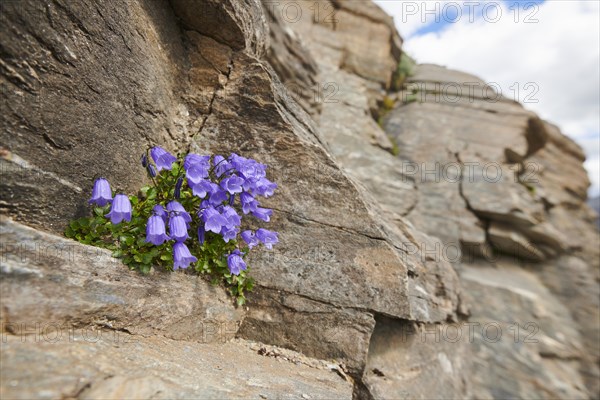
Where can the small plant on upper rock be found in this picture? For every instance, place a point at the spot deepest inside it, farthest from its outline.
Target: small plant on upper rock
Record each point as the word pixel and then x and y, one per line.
pixel 200 194
pixel 405 68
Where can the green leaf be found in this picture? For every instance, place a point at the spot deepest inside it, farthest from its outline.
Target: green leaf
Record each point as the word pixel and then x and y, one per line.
pixel 84 222
pixel 147 258
pixel 241 300
pixel 128 240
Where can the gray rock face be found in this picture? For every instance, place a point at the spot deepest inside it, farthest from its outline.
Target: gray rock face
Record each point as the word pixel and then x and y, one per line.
pixel 49 280
pixel 521 327
pixel 87 364
pixel 480 217
pixel 83 94
pixel 523 186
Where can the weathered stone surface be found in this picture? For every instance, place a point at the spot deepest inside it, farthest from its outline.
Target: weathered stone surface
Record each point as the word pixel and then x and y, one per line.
pixel 493 192
pixel 83 94
pixel 508 241
pixel 556 171
pixel 533 211
pixel 239 25
pixel 327 332
pixel 292 62
pixel 48 280
pixel 571 279
pixel 521 329
pixel 101 365
pixel 412 361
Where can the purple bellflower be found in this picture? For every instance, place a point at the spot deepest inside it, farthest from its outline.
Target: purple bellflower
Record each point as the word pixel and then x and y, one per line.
pixel 235 262
pixel 249 203
pixel 229 233
pixel 250 238
pixel 174 207
pixel 269 238
pixel 192 159
pixel 264 187
pixel 160 211
pixel 232 184
pixel 196 168
pixel 222 166
pixel 263 213
pixel 233 219
pixel 213 220
pixel 178 228
pixel 101 194
pixel 182 257
pixel 217 197
pixel 120 209
pixel 203 187
pixel 155 230
pixel 162 158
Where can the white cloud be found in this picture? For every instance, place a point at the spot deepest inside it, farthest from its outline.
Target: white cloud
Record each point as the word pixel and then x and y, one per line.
pixel 559 54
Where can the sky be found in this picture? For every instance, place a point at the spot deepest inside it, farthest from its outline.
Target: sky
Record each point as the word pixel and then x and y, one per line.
pixel 546 54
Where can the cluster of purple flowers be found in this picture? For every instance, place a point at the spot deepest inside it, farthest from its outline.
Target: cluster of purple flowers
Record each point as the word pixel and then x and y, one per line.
pixel 217 185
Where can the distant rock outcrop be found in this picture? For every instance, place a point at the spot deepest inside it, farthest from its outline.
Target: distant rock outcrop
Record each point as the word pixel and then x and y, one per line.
pixel 419 218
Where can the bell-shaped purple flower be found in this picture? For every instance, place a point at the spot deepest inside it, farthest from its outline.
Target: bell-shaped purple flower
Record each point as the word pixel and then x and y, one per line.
pixel 263 213
pixel 222 166
pixel 250 239
pixel 213 220
pixel 249 203
pixel 265 187
pixel 156 231
pixel 252 171
pixel 232 184
pixel 162 158
pixel 192 159
pixel 269 238
pixel 120 209
pixel 203 187
pixel 237 161
pixel 182 258
pixel 174 207
pixel 229 233
pixel 101 194
pixel 233 219
pixel 217 197
pixel 196 168
pixel 235 262
pixel 160 211
pixel 178 229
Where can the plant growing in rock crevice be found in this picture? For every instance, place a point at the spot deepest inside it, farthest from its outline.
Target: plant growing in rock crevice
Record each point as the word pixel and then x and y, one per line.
pixel 203 195
pixel 406 68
